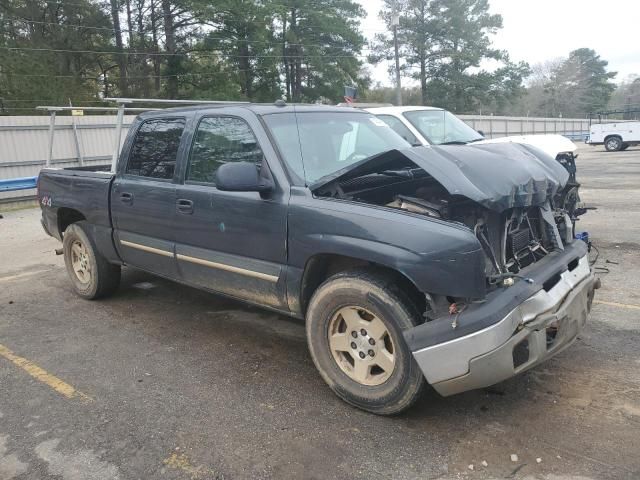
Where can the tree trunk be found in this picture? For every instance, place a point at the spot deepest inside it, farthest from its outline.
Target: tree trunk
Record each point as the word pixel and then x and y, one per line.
pixel 246 87
pixel 129 23
pixel 106 84
pixel 173 62
pixel 423 78
pixel 287 74
pixel 423 55
pixel 459 99
pixel 296 61
pixel 146 73
pixel 121 60
pixel 156 49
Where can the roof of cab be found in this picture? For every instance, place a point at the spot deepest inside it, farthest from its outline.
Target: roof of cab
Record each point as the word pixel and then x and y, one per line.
pixel 257 108
pixel 398 110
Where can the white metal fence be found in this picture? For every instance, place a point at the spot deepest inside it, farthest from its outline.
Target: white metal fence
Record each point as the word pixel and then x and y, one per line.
pixel 24 140
pixel 24 144
pixel 575 128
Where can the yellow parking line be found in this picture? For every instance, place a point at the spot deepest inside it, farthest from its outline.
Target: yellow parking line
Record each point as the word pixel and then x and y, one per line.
pixel 21 275
pixel 40 374
pixel 620 305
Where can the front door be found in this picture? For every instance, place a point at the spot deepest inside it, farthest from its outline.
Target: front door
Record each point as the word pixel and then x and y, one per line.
pixel 143 200
pixel 230 242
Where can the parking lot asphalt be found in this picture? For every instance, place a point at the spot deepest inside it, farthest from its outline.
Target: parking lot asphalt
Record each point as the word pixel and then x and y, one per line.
pixel 162 381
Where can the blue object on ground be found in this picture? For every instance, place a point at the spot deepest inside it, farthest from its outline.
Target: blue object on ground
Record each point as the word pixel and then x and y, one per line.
pixel 584 236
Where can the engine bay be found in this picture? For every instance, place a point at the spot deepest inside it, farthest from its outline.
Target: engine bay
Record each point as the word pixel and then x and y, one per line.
pixel 512 239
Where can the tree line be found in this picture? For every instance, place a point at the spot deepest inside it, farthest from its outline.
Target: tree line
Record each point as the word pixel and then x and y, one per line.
pixel 53 51
pixel 257 50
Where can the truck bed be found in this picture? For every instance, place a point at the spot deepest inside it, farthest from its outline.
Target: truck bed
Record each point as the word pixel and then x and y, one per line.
pixel 78 192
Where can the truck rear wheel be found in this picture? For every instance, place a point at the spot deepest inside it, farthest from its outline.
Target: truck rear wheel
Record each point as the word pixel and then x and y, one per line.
pixel 354 328
pixel 613 144
pixel 91 275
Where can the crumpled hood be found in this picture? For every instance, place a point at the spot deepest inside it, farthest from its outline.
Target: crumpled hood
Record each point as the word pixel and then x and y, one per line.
pixel 497 176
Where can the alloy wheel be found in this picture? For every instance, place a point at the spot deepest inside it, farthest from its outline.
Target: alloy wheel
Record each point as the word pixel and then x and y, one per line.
pixel 80 262
pixel 361 346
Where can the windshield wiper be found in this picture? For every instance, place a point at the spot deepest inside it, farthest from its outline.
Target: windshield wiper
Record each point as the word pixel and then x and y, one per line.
pixel 462 142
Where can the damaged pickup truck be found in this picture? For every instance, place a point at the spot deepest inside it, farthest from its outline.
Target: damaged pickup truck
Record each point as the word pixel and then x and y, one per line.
pixel 442 264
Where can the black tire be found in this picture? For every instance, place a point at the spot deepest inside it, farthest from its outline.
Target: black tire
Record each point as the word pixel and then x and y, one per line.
pixel 101 278
pixel 379 295
pixel 613 144
pixel 625 146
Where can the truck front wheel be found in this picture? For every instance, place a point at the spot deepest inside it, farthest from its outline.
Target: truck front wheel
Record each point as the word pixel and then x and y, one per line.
pixel 613 144
pixel 91 275
pixel 354 329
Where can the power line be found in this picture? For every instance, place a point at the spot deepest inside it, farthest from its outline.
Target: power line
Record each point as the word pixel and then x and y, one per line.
pixel 204 53
pixel 223 19
pixel 113 78
pixel 105 4
pixel 65 25
pixel 276 44
pixel 110 29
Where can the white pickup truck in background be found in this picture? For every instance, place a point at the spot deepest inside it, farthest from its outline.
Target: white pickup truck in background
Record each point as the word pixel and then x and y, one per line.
pixel 435 126
pixel 615 136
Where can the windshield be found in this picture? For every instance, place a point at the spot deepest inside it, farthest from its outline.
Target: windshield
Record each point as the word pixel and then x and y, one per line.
pixel 321 143
pixel 440 126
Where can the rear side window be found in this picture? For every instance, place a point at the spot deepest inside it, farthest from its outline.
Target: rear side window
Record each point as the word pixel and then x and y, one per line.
pixel 221 140
pixel 400 128
pixel 155 148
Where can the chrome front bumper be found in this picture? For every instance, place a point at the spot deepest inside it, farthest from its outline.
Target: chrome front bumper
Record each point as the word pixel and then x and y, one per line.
pixel 541 326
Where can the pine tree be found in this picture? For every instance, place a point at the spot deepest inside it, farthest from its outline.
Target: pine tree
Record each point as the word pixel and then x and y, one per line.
pixel 443 44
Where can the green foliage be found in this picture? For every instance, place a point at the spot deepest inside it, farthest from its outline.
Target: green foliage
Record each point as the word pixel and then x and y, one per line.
pixel 443 45
pixel 32 76
pixel 260 50
pixel 320 43
pixel 569 87
pixel 256 50
pixel 242 33
pixel 627 98
pixel 579 85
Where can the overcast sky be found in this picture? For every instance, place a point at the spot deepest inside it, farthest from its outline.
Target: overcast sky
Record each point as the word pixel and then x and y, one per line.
pixel 539 30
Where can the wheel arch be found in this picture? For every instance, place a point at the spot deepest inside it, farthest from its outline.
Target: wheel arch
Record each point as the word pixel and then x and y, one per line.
pixel 617 135
pixel 321 266
pixel 67 216
pixel 101 236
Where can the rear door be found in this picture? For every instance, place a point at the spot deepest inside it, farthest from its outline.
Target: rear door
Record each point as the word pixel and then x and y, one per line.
pixel 143 200
pixel 231 242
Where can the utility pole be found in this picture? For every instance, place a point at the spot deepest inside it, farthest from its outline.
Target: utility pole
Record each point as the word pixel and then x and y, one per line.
pixel 395 21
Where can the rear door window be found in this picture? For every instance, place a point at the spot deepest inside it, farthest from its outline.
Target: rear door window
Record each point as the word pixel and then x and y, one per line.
pixel 155 148
pixel 400 128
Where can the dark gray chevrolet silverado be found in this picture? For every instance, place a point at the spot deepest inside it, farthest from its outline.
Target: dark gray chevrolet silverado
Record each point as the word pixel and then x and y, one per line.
pixel 446 264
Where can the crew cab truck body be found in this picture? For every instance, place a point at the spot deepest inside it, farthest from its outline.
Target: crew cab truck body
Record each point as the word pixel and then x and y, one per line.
pixel 449 264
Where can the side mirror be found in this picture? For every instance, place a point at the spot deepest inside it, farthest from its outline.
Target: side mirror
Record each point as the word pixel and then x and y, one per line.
pixel 243 177
pixel 480 132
